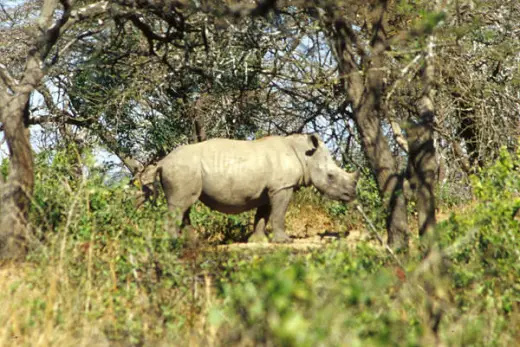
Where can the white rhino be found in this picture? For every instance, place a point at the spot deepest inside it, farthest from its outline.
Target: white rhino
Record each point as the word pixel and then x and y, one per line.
pixel 233 176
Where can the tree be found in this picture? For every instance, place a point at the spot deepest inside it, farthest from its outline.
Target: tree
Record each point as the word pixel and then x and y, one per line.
pixel 390 79
pixel 362 76
pixel 14 113
pixel 55 19
pixel 478 79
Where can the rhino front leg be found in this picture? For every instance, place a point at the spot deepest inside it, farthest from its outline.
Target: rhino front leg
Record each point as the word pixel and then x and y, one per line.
pixel 279 203
pixel 261 219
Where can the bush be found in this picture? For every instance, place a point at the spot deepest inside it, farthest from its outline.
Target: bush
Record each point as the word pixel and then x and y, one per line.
pixel 483 243
pixel 217 227
pixel 323 298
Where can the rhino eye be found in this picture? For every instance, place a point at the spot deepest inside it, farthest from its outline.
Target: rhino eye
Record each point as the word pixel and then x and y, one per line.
pixel 330 177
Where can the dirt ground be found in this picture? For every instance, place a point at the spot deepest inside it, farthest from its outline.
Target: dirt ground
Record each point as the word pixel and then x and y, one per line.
pixel 309 228
pixel 301 242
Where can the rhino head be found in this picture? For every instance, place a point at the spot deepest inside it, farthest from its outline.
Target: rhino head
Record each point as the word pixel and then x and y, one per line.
pixel 326 176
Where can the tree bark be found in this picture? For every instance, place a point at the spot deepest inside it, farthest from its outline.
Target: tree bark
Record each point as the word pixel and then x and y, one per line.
pixel 463 158
pixel 422 163
pixel 197 114
pixel 18 187
pixel 17 190
pixel 421 168
pixel 468 131
pixel 14 114
pixel 389 179
pixel 367 109
pixel 199 129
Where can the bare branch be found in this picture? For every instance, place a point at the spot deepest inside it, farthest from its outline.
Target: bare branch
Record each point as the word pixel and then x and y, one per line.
pixel 261 9
pixel 6 77
pixel 61 118
pixel 69 18
pixel 45 19
pixel 7 14
pixel 71 42
pixel 88 11
pixel 398 134
pixel 403 73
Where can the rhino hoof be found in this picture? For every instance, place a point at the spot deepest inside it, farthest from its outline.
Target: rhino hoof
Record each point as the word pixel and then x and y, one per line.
pixel 282 238
pixel 255 238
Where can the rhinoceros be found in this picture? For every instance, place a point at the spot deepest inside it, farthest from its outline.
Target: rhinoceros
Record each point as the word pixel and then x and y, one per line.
pixel 233 176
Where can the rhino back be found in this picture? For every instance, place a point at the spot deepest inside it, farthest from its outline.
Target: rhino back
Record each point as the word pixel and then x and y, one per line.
pixel 247 168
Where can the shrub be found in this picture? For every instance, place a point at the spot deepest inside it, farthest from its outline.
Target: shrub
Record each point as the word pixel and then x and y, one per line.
pixel 483 242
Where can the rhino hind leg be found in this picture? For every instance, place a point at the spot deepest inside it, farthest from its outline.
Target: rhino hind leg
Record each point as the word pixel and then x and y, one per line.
pixel 261 219
pixel 178 219
pixel 279 203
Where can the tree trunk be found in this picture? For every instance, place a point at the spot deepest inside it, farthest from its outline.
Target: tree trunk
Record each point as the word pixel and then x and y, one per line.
pixel 463 158
pixel 365 95
pixel 197 115
pixel 422 163
pixel 389 179
pixel 468 131
pixel 14 114
pixel 17 189
pixel 199 131
pixel 421 168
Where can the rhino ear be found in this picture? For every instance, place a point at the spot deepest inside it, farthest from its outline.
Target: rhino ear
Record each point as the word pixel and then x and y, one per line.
pixel 314 142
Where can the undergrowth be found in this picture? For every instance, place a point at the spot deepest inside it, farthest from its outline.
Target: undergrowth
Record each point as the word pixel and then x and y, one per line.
pixel 101 272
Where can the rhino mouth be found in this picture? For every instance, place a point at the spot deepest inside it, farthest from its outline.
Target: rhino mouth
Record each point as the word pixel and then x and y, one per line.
pixel 343 197
pixel 347 198
pixel 348 195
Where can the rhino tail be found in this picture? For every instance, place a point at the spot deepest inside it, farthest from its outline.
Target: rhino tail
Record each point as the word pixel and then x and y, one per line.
pixel 149 184
pixel 158 173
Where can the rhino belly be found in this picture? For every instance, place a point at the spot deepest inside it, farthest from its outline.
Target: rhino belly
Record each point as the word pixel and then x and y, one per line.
pixel 237 204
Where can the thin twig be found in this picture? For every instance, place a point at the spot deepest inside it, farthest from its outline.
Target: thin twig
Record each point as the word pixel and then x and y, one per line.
pixel 376 234
pixel 8 16
pixel 6 77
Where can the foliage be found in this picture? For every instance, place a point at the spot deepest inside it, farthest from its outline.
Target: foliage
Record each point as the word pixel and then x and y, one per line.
pixel 219 227
pixel 308 300
pixel 484 241
pixel 369 198
pixel 105 273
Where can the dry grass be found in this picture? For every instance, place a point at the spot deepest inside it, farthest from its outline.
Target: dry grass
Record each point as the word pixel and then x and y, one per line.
pixel 41 308
pixel 77 301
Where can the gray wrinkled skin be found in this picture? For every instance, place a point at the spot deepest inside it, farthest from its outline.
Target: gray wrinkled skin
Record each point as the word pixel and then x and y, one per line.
pixel 235 176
